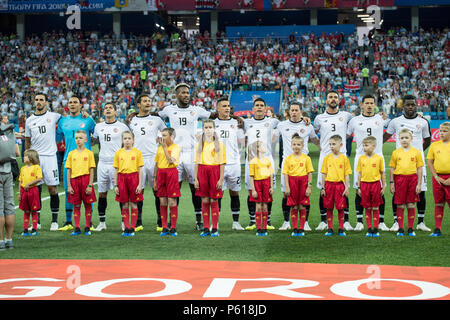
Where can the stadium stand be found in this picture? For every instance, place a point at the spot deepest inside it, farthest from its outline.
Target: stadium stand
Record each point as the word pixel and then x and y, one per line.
pixel 101 69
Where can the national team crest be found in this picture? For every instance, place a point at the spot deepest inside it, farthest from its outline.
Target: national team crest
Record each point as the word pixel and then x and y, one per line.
pixel 341 119
pixel 49 120
pixel 85 159
pixel 82 125
pixel 412 159
pixel 267 125
pixel 374 165
pixel 192 113
pixel 150 123
pixel 418 127
pixel 302 130
pixel 116 130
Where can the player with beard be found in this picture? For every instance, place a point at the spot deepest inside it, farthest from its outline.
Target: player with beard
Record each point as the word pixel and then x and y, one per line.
pixel 421 141
pixel 287 129
pixel 332 122
pixel 146 128
pixel 40 135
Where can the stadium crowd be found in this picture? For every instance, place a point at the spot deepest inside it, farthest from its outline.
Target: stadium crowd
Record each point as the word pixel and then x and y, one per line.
pixel 415 62
pixel 101 69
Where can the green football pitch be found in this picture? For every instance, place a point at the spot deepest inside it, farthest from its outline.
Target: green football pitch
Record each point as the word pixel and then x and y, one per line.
pixel 278 246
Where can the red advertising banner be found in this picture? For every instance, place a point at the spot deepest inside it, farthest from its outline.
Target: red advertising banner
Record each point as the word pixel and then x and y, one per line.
pixel 435 135
pixel 175 5
pixel 227 280
pixel 364 3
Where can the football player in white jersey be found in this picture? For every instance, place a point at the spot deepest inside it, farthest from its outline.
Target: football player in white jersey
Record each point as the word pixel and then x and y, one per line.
pixel 232 137
pixel 367 124
pixel 259 128
pixel 287 128
pixel 109 135
pixel 184 117
pixel 40 135
pixel 421 141
pixel 331 122
pixel 146 128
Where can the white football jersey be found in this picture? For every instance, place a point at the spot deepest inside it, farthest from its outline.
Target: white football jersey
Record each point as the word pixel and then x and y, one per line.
pixel 419 127
pixel 329 125
pixel 363 126
pixel 287 129
pixel 184 121
pixel 146 131
pixel 42 131
pixel 261 130
pixel 109 136
pixel 229 134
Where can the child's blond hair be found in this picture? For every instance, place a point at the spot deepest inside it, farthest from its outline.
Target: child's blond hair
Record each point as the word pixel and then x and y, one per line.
pixel 33 155
pixel 370 140
pixel 336 138
pixel 445 124
pixel 405 131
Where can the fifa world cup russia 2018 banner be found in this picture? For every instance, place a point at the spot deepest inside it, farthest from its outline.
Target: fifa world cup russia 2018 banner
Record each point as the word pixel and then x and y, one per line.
pixel 242 101
pixel 16 6
pixel 33 6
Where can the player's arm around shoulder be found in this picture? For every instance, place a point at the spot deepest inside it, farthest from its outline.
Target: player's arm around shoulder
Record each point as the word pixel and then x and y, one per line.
pixel 389 131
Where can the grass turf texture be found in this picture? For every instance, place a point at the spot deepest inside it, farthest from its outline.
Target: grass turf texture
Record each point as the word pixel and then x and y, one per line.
pixel 278 246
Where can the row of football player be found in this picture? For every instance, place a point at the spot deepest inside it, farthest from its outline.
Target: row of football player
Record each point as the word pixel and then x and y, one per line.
pixel 405 178
pixel 183 118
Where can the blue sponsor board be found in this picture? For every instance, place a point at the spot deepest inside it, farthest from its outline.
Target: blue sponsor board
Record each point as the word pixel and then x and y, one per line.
pixel 283 32
pixel 243 100
pixel 56 5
